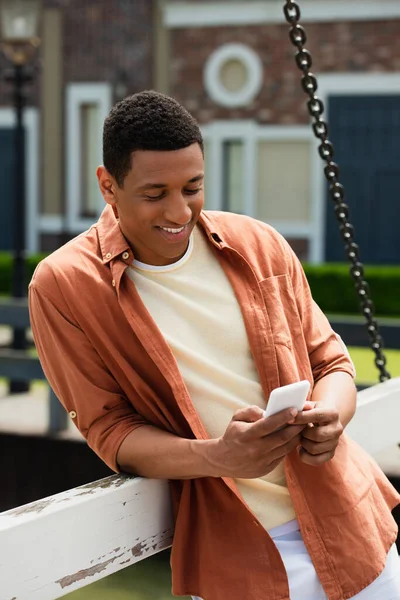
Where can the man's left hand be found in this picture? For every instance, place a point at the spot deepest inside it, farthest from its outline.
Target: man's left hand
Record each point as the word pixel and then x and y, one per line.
pixel 321 437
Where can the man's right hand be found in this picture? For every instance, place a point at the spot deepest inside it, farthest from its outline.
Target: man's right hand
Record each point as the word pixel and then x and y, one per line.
pixel 253 445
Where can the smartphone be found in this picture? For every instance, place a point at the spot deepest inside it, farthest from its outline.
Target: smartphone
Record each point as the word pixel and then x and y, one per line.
pixel 293 395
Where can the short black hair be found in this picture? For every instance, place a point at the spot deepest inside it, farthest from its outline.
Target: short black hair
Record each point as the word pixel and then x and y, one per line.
pixel 148 120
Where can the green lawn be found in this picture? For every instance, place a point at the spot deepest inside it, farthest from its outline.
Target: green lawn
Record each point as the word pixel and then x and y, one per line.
pixel 149 579
pixel 363 359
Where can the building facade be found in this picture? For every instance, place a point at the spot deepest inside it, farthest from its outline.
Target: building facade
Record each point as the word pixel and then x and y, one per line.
pixel 91 54
pixel 232 65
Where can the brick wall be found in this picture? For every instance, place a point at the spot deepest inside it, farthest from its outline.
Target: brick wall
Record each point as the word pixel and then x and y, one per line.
pixel 336 47
pixel 99 39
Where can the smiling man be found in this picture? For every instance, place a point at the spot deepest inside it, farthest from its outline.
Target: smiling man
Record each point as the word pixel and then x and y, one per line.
pixel 163 329
pixel 158 202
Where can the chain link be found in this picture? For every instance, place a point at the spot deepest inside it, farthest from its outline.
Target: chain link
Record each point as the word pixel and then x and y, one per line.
pixel 315 107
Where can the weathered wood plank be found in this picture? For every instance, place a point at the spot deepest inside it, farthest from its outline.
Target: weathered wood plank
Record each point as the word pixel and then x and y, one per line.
pixel 59 544
pixel 14 312
pixel 376 424
pixel 353 330
pixel 18 364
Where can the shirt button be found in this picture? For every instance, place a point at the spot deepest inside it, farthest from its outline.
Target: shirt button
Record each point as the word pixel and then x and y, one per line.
pixel 72 414
pixel 113 283
pixel 108 255
pixel 125 255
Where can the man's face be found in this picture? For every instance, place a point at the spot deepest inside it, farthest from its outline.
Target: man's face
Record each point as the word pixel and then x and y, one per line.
pixel 159 202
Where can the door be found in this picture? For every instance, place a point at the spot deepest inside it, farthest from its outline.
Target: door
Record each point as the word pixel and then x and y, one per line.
pixel 365 131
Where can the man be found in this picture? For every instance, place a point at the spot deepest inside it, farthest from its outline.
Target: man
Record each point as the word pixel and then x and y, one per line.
pixel 163 329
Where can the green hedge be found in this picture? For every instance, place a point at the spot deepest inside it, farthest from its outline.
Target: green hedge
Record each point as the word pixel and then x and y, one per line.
pixel 6 270
pixel 333 288
pixel 331 285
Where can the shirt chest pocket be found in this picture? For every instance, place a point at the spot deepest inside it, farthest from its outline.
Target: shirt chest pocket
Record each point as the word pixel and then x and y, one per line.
pixel 281 308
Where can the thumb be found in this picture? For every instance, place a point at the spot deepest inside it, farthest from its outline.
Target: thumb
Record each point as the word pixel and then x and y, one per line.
pixel 309 405
pixel 250 414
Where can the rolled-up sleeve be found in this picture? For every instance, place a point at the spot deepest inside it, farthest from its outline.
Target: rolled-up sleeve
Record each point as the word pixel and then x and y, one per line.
pixel 326 351
pixel 79 377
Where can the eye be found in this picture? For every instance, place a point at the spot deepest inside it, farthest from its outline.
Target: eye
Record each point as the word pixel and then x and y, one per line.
pixel 192 192
pixel 159 197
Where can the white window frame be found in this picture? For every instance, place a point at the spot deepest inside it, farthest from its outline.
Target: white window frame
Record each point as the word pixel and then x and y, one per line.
pixel 216 133
pixel 78 94
pixel 314 230
pixel 343 84
pixel 31 126
pixel 255 12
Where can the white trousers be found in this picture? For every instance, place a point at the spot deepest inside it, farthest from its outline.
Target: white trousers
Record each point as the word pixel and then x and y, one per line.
pixel 303 580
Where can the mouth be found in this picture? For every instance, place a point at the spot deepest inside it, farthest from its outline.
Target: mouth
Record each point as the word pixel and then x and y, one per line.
pixel 174 234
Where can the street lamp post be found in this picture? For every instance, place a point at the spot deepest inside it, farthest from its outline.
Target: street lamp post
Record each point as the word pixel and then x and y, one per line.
pixel 19 40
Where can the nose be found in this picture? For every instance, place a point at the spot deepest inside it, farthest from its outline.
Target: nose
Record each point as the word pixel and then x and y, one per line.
pixel 177 210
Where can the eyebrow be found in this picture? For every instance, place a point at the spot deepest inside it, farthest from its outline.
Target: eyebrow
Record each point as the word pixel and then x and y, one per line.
pixel 157 186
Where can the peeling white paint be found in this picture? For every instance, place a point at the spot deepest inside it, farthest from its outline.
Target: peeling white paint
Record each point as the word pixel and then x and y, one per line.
pixel 59 544
pixel 378 410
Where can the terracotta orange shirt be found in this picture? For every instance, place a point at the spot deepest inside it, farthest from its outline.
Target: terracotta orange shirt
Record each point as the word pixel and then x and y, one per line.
pixel 108 363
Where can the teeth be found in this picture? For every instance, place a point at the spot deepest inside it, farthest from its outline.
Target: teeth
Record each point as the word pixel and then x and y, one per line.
pixel 172 230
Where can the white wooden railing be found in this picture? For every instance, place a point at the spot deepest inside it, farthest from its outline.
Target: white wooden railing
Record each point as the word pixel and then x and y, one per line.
pixel 64 542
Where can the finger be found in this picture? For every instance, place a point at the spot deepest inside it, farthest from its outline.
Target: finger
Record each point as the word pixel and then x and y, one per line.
pixel 309 405
pixel 323 433
pixel 269 424
pixel 315 448
pixel 250 414
pixel 285 436
pixel 317 415
pixel 315 461
pixel 283 450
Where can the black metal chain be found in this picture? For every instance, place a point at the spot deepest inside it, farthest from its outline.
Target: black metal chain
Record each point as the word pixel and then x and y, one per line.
pixel 316 109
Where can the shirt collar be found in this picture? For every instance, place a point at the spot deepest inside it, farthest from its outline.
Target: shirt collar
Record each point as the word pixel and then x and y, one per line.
pixel 112 241
pixel 212 230
pixel 114 244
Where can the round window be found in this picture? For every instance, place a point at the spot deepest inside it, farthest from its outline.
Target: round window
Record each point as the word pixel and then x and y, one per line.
pixel 233 75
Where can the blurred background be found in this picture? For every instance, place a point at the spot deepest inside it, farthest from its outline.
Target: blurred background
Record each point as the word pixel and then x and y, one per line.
pixel 64 63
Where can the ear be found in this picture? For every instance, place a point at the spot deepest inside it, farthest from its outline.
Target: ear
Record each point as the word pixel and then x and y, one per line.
pixel 107 185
